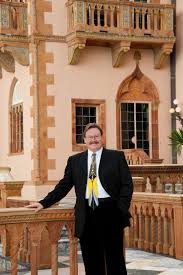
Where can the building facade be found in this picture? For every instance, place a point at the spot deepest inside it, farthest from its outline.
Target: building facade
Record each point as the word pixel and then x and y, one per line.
pixel 67 63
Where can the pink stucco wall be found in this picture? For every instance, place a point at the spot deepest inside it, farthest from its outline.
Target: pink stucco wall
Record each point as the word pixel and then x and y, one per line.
pixel 179 60
pixel 95 78
pixel 20 164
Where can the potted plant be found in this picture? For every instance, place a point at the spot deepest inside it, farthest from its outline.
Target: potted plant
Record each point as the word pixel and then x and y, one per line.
pixel 176 138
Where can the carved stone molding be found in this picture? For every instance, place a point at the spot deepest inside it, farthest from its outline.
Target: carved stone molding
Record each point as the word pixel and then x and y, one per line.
pixel 8 55
pixel 161 53
pixel 74 49
pixel 118 51
pixel 7 62
pixel 21 55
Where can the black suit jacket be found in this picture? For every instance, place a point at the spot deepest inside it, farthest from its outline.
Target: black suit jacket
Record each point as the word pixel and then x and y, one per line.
pixel 115 178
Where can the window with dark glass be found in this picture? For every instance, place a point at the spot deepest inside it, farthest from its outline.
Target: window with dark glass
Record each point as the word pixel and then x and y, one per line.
pixel 16 128
pixel 84 115
pixel 135 126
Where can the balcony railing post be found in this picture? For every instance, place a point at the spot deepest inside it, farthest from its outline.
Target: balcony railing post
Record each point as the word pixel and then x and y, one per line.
pixel 172 235
pixel 141 229
pixel 73 250
pixel 54 229
pixel 15 232
pixel 178 216
pixel 147 230
pixel 149 14
pixel 143 20
pixel 159 245
pixel 136 228
pixel 35 230
pixel 155 20
pixel 165 232
pixel 112 16
pixel 137 17
pixel 98 15
pixel 153 231
pixel 105 16
pixel 92 15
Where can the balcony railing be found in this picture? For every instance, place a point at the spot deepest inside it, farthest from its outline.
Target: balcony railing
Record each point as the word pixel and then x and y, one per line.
pixel 160 178
pixel 13 17
pixel 157 224
pixel 121 17
pixel 127 23
pixel 26 235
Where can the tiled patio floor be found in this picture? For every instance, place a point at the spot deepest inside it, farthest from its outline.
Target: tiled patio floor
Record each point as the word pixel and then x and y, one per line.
pixel 138 263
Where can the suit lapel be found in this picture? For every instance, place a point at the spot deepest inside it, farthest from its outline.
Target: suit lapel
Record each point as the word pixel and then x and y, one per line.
pixel 103 160
pixel 84 170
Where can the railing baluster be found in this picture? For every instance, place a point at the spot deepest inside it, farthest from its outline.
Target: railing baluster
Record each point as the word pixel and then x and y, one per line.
pixel 165 232
pixel 153 231
pixel 35 230
pixel 15 232
pixel 147 230
pixel 141 229
pixel 159 246
pixel 73 249
pixel 172 235
pixel 136 228
pixel 105 16
pixel 54 229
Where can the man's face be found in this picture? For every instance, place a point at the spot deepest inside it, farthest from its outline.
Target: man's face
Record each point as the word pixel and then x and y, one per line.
pixel 93 139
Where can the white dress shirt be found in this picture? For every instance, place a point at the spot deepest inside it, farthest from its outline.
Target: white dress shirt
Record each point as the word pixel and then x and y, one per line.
pixel 101 191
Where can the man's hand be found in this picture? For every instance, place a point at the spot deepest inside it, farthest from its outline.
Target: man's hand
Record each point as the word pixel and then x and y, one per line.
pixel 37 206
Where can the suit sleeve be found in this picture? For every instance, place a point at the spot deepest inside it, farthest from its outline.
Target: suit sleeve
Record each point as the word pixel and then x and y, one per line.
pixel 61 189
pixel 126 189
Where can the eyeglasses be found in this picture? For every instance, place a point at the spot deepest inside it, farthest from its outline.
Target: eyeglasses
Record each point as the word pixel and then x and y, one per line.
pixel 93 137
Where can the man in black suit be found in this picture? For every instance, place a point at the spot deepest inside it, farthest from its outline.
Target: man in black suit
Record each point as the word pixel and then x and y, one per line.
pixel 103 187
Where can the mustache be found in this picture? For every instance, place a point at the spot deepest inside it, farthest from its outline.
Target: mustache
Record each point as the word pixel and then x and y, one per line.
pixel 93 142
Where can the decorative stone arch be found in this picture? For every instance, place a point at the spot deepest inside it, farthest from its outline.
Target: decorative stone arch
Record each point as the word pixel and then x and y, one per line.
pixel 138 87
pixel 12 88
pixel 15 113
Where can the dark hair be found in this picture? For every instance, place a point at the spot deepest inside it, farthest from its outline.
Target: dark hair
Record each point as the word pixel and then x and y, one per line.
pixel 90 126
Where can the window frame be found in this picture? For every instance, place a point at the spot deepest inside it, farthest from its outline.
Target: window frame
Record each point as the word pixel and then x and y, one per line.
pixel 16 138
pixel 135 130
pixel 100 119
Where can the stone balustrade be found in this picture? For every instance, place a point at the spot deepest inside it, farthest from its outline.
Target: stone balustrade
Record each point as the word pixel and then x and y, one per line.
pixel 160 178
pixel 29 234
pixel 120 17
pixel 136 156
pixel 156 225
pixel 119 25
pixel 13 17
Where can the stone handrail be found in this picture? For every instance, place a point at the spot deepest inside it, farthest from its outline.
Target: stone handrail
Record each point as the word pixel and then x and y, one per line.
pixel 119 16
pixel 26 230
pixel 160 178
pixel 156 225
pixel 136 156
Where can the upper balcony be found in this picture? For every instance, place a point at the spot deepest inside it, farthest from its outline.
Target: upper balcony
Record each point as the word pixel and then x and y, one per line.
pixel 13 34
pixel 13 17
pixel 120 25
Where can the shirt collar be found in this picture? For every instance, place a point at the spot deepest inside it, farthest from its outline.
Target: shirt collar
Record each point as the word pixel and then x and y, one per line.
pixel 98 153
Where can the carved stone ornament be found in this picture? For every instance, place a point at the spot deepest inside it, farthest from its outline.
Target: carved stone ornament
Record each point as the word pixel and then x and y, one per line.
pixel 74 49
pixel 7 62
pixel 21 55
pixel 118 51
pixel 161 53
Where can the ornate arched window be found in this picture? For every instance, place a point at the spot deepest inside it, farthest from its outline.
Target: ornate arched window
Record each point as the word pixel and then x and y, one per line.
pixel 14 20
pixel 137 115
pixel 16 118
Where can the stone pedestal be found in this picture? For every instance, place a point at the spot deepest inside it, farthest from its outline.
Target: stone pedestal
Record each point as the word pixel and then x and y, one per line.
pixel 139 184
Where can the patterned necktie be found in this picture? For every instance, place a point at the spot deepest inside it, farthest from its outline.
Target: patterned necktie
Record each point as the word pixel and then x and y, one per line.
pixel 92 184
